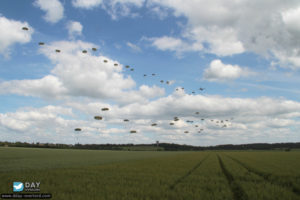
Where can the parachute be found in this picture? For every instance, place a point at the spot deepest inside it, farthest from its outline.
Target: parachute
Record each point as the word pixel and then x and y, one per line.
pixel 171 123
pixel 84 51
pixel 132 69
pixel 41 43
pixel 126 120
pixel 25 28
pixel 197 113
pixel 154 124
pixel 105 109
pixel 94 49
pixel 127 66
pixel 162 81
pixel 115 64
pixel 145 74
pixel 98 117
pixel 186 132
pixel 133 131
pixel 105 61
pixel 57 51
pixel 77 129
pixel 168 82
pixel 153 74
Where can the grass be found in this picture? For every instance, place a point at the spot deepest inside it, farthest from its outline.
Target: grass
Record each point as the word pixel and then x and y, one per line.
pixel 91 174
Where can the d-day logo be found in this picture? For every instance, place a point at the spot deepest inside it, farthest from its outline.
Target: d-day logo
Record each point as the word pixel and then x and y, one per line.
pixel 27 186
pixel 18 186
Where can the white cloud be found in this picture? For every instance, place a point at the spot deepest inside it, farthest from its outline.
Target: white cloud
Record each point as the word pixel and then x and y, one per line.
pixel 53 8
pixel 11 33
pixel 74 29
pixel 81 75
pixel 87 4
pixel 219 71
pixel 268 28
pixel 250 120
pixel 291 19
pixel 134 47
pixel 114 8
pixel 34 118
pixel 174 44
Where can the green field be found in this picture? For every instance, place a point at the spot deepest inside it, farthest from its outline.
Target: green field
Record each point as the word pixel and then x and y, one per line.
pixel 91 174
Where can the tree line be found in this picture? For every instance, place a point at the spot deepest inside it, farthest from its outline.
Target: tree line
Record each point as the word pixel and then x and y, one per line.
pixel 157 146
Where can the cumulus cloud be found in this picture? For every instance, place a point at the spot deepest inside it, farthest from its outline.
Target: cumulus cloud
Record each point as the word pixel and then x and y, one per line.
pixel 74 29
pixel 177 45
pixel 87 4
pixel 33 118
pixel 232 27
pixel 218 71
pixel 11 33
pixel 249 120
pixel 53 8
pixel 81 75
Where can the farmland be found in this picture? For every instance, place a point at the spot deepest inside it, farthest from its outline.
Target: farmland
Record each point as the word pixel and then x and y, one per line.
pixel 91 174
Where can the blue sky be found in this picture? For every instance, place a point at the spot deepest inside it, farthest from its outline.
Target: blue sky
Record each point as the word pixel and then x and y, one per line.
pixel 245 54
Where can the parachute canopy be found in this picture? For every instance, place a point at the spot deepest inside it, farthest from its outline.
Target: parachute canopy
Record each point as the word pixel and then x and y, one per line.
pixel 98 117
pixel 105 109
pixel 154 124
pixel 84 51
pixel 133 131
pixel 127 66
pixel 116 64
pixel 41 43
pixel 126 120
pixel 94 49
pixel 25 28
pixel 57 50
pixel 77 129
pixel 105 61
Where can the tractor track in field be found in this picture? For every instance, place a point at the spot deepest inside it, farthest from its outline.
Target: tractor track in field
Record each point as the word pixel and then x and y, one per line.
pixel 237 190
pixel 188 173
pixel 271 178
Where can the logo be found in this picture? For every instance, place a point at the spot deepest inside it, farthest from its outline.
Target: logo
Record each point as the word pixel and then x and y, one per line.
pixel 32 186
pixel 18 186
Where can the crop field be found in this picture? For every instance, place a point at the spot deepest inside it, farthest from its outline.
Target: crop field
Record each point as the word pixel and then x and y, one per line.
pixel 92 174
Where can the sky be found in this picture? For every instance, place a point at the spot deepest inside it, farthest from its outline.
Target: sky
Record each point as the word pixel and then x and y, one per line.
pixel 245 55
